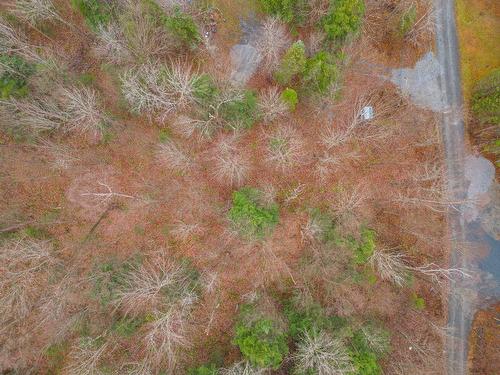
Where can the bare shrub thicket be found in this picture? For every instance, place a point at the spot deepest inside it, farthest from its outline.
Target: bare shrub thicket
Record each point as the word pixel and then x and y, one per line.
pixel 243 368
pixel 321 354
pixel 272 43
pixel 169 5
pixel 36 11
pixel 166 290
pixel 112 44
pixel 173 157
pixel 13 41
pixel 145 39
pixel 207 121
pixel 164 336
pixel 86 356
pixel 84 112
pixel 355 126
pixel 284 148
pixel 182 231
pixel 76 110
pixel 423 29
pixel 231 165
pixel 61 157
pixel 159 91
pixel 146 288
pixel 271 105
pixel 36 115
pixel 24 270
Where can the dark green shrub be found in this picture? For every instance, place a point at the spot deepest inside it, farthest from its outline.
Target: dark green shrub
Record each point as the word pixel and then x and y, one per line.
pixel 109 277
pixel 291 11
pixel 164 135
pixel 372 338
pixel 311 318
pixel 290 97
pixel 261 343
pixel 241 113
pixel 14 79
pixel 320 72
pixel 292 64
pixel 204 88
pixel 95 12
pixel 408 19
pixel 210 369
pixel 365 363
pixel 56 355
pixel 343 18
pixel 486 99
pixel 323 226
pixel 250 216
pixel 127 327
pixel 183 28
pixel 417 302
pixel 364 249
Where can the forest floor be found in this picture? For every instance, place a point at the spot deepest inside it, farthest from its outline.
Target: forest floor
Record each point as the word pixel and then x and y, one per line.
pixel 60 193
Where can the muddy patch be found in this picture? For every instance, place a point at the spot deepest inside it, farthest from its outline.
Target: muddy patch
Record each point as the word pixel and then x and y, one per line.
pixel 245 57
pixel 421 83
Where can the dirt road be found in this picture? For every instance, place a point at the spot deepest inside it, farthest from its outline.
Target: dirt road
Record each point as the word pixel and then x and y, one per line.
pixel 453 137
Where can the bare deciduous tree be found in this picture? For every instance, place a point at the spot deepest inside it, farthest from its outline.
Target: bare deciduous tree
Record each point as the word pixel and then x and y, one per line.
pixel 149 40
pixel 272 43
pixel 36 115
pixel 61 156
pixel 322 354
pixel 395 267
pixel 78 111
pixel 159 91
pixel 314 41
pixel 390 266
pixel 165 334
pixel 84 113
pixel 183 231
pixel 171 155
pixel 146 287
pixel 284 148
pixel 294 194
pixel 349 200
pixel 103 196
pixel 231 166
pixel 271 104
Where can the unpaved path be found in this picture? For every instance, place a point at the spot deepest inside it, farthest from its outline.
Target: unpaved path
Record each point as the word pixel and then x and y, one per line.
pixel 459 306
